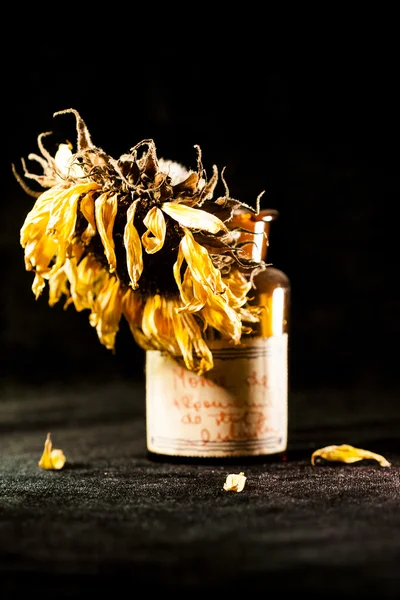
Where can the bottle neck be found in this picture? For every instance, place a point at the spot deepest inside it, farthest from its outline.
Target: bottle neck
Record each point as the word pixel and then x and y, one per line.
pixel 254 230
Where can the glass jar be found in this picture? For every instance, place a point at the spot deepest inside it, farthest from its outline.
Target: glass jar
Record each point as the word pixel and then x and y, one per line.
pixel 240 407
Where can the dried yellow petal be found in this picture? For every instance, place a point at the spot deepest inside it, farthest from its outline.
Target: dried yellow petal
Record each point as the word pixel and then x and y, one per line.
pixel 133 247
pixel 347 454
pixel 153 238
pixel 107 311
pixel 51 459
pixel 235 482
pixel 193 217
pixel 105 210
pixel 87 210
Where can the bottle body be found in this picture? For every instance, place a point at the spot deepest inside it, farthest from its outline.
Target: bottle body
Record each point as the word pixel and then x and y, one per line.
pixel 240 407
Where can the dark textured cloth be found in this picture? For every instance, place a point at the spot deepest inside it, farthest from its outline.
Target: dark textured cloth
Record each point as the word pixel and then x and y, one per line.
pixel 114 519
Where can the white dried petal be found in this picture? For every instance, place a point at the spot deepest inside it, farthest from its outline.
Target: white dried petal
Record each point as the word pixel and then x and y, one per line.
pixel 235 482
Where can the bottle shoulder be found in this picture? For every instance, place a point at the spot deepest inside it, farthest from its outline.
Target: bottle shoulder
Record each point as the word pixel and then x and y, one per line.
pixel 271 278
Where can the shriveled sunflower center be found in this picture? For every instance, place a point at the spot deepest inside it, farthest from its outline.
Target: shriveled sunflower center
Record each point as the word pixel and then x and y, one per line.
pixel 157 276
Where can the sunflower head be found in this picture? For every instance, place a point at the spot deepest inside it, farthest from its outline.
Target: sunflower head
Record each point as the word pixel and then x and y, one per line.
pixel 141 238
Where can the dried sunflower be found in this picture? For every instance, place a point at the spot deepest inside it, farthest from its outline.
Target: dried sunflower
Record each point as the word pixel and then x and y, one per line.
pixel 138 237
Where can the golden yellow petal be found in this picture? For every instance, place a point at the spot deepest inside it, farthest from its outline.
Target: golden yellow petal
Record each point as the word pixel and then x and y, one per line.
pixel 347 454
pixel 200 264
pixel 58 286
pixel 37 219
pixel 86 281
pixel 157 325
pixel 195 352
pixel 153 238
pixel 106 207
pixel 194 218
pixel 87 209
pixel 38 284
pixel 218 314
pixel 61 225
pixel 193 294
pixel 237 288
pixel 133 247
pixel 132 309
pixel 40 251
pixel 132 305
pixel 51 459
pixel 39 248
pixel 235 482
pixel 107 311
pixel 168 330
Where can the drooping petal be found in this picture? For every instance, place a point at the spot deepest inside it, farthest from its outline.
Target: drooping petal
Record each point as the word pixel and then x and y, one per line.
pixel 193 218
pixel 133 247
pixel 200 264
pixel 106 206
pixel 87 209
pixel 37 217
pixel 86 280
pixel 157 324
pixel 169 330
pixel 195 352
pixel 107 311
pixel 193 294
pixel 38 284
pixel 40 249
pixel 153 238
pixel 132 309
pixel 58 286
pixel 61 225
pixel 237 288
pixel 217 313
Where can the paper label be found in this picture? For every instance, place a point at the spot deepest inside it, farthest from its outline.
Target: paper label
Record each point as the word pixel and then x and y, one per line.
pixel 239 408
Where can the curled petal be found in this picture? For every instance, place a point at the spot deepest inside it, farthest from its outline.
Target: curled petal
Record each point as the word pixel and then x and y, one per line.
pixel 106 207
pixel 192 293
pixel 133 247
pixel 153 238
pixel 51 459
pixel 193 218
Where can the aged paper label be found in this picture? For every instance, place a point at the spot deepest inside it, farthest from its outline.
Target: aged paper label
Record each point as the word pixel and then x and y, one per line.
pixel 238 408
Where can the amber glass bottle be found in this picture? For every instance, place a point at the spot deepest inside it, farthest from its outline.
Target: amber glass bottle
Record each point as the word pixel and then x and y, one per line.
pixel 239 409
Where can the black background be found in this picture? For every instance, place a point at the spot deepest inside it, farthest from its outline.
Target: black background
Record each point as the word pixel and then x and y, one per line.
pixel 318 133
